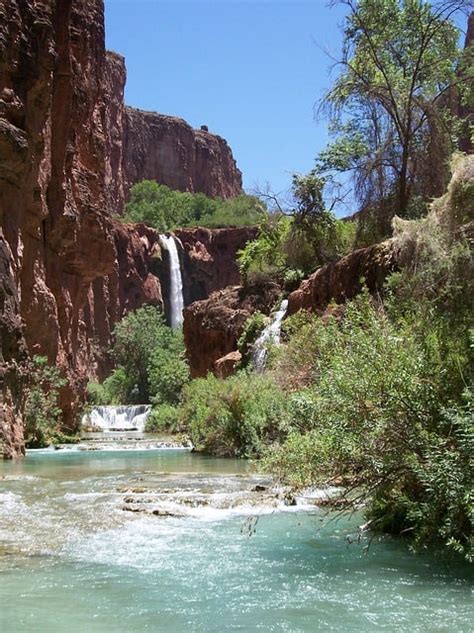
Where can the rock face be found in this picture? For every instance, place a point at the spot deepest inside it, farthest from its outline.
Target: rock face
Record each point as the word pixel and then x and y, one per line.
pixel 212 327
pixel 167 149
pixel 53 207
pixel 68 272
pixel 342 280
pixel 210 259
pixel 13 357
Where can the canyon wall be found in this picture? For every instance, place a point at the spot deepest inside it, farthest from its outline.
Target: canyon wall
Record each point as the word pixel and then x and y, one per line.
pixel 210 258
pixel 68 272
pixel 169 150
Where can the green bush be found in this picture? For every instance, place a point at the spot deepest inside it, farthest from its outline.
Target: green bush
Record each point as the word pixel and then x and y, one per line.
pixel 287 251
pixel 42 411
pixel 163 418
pixel 165 209
pixel 151 367
pixel 168 372
pixel 233 417
pixel 381 406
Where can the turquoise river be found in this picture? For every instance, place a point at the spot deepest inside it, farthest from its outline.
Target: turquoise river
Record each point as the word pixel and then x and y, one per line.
pixel 168 540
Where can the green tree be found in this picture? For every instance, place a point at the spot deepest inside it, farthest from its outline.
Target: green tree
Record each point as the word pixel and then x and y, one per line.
pixel 42 410
pixel 149 357
pixel 389 104
pixel 165 209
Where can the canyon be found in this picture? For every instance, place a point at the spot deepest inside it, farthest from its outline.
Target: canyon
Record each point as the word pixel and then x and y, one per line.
pixel 69 151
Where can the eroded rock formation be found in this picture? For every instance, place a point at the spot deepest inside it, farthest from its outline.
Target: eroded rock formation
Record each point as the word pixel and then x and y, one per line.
pixel 13 358
pixel 212 327
pixel 210 258
pixel 169 150
pixel 342 280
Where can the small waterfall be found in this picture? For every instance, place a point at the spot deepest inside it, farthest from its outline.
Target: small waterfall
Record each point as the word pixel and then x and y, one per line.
pixel 176 281
pixel 123 418
pixel 271 334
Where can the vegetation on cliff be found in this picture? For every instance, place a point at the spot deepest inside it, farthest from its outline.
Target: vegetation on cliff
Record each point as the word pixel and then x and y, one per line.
pixel 297 239
pixel 165 209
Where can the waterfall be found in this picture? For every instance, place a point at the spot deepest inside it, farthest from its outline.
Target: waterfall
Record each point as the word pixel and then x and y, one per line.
pixel 123 418
pixel 176 281
pixel 271 334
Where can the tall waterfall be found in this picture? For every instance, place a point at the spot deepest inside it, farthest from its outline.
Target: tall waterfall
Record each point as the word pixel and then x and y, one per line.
pixel 271 334
pixel 123 418
pixel 176 281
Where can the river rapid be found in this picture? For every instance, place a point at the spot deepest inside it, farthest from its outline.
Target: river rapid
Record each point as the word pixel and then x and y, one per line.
pixel 167 540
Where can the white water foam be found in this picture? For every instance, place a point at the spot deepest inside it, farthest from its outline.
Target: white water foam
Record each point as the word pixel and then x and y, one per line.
pixel 271 334
pixel 122 418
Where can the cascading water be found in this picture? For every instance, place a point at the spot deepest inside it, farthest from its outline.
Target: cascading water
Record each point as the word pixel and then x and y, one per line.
pixel 271 334
pixel 123 418
pixel 176 281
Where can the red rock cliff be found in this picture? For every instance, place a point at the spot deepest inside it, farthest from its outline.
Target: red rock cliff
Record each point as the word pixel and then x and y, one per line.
pixel 210 261
pixel 167 149
pixel 53 207
pixel 212 327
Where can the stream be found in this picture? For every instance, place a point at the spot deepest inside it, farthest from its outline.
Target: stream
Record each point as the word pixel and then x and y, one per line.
pixel 165 539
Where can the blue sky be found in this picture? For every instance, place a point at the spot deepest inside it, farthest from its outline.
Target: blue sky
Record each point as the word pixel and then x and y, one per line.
pixel 251 70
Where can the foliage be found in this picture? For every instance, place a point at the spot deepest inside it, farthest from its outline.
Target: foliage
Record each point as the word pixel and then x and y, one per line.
pixel 168 372
pixel 42 411
pixel 165 209
pixel 382 406
pixel 250 332
pixel 163 418
pixel 291 246
pixel 265 254
pixel 233 417
pixel 243 210
pixel 96 395
pixel 150 362
pixel 389 113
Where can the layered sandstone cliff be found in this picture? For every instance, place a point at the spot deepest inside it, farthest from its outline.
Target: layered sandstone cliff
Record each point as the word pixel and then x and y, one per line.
pixel 210 258
pixel 13 359
pixel 169 150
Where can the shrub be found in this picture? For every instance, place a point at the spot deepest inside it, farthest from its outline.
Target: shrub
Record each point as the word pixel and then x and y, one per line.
pixel 233 417
pixel 252 328
pixel 168 372
pixel 42 411
pixel 163 418
pixel 286 250
pixel 165 209
pixel 377 407
pixel 143 345
pixel 151 367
